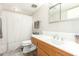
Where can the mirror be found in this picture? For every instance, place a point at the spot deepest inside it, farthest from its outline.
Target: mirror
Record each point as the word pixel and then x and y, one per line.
pixel 55 13
pixel 63 11
pixel 69 11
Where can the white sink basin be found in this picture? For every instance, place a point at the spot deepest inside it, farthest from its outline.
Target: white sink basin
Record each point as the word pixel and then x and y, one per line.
pixel 56 42
pixel 51 40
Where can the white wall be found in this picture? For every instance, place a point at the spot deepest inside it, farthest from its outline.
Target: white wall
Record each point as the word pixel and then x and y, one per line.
pixel 66 26
pixel 42 16
pixel 18 27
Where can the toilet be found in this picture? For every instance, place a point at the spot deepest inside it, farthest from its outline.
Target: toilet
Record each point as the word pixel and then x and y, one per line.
pixel 28 46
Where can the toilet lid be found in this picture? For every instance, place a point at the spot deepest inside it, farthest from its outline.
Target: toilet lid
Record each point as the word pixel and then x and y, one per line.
pixel 28 42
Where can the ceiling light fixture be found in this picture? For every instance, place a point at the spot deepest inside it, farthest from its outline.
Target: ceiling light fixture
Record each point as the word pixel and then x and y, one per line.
pixel 34 5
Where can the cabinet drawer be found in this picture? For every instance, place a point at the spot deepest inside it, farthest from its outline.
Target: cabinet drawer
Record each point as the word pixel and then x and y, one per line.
pixel 41 52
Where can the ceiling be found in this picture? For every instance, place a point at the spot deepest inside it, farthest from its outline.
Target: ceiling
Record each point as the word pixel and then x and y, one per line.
pixel 25 8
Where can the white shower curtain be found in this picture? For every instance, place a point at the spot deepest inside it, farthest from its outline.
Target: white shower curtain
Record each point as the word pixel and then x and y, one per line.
pixel 16 28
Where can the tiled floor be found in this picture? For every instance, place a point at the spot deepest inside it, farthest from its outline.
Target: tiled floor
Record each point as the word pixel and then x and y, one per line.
pixel 17 52
pixel 14 53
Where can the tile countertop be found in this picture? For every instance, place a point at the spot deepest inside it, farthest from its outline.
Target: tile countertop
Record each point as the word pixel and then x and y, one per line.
pixel 68 46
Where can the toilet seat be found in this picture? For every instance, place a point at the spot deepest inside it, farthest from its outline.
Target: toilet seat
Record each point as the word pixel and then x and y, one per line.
pixel 28 46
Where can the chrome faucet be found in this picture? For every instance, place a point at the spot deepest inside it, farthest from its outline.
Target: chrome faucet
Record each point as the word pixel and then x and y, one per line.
pixel 56 37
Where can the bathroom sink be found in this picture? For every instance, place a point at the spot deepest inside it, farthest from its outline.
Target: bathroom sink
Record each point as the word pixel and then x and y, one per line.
pixel 44 36
pixel 51 39
pixel 57 42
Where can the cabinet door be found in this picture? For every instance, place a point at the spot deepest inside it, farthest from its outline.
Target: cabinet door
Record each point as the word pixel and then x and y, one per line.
pixel 46 48
pixel 34 41
pixel 40 52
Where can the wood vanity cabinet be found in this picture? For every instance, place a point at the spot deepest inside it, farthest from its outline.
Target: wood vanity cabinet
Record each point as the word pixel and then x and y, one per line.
pixel 40 52
pixel 34 41
pixel 44 49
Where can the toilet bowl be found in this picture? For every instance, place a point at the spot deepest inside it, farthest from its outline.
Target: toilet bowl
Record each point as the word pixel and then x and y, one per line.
pixel 28 46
